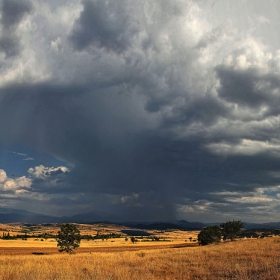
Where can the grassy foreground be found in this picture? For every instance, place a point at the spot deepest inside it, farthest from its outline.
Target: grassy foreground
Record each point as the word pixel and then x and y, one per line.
pixel 244 259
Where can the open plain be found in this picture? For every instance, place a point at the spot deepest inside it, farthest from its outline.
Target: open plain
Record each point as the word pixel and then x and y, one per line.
pixel 174 256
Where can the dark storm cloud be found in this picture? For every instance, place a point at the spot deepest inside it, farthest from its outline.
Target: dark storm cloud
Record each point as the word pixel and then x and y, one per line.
pixel 248 88
pixel 113 159
pixel 12 13
pixel 42 118
pixel 36 108
pixel 103 25
pixel 156 167
pixel 10 45
pixel 205 110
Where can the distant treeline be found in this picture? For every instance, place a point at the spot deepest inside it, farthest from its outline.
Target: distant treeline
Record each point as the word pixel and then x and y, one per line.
pixel 259 232
pixel 25 236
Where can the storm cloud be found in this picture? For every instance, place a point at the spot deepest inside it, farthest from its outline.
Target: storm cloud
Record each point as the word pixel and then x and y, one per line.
pixel 156 110
pixel 12 14
pixel 103 24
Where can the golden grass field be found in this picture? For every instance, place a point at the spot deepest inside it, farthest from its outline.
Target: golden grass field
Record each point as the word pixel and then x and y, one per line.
pixel 243 259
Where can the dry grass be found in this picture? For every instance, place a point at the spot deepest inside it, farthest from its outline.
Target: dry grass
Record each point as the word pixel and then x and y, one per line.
pixel 249 259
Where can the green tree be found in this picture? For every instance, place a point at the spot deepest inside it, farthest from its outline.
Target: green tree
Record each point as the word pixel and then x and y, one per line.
pixel 231 229
pixel 209 235
pixel 68 238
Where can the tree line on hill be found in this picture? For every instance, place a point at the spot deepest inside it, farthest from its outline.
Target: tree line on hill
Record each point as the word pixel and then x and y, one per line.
pixel 214 234
pixel 45 236
pixel 230 230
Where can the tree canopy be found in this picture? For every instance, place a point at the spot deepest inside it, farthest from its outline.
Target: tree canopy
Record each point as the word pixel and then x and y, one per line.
pixel 231 229
pixel 227 230
pixel 68 238
pixel 209 235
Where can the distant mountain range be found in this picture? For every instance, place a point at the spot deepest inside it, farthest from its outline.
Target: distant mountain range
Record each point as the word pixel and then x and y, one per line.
pixel 10 215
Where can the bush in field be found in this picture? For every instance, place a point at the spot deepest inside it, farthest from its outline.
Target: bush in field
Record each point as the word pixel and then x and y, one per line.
pixel 209 235
pixel 68 238
pixel 231 229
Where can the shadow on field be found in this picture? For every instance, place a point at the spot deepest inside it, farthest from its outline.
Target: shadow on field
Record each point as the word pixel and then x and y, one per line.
pixel 105 249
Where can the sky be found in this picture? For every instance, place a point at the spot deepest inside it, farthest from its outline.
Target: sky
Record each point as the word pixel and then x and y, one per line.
pixel 150 110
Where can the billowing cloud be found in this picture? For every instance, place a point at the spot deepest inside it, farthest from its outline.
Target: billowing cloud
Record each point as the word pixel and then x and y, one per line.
pixel 42 172
pixel 13 184
pixel 103 24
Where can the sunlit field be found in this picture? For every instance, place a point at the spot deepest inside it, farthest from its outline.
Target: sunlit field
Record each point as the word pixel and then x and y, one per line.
pixel 250 259
pixel 243 259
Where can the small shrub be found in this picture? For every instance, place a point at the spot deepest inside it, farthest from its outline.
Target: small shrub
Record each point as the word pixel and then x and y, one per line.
pixel 141 254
